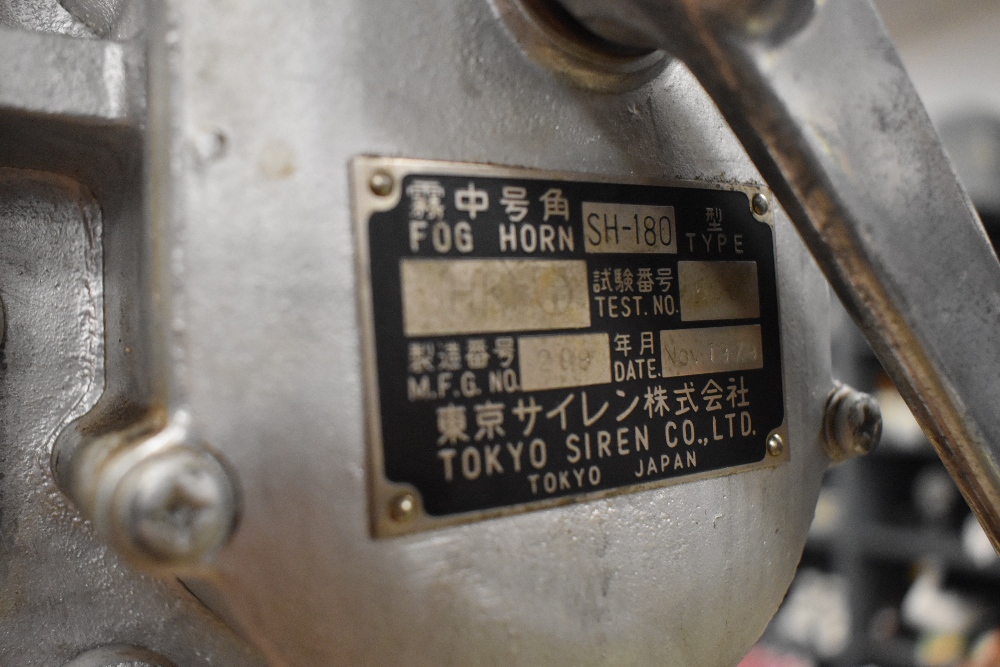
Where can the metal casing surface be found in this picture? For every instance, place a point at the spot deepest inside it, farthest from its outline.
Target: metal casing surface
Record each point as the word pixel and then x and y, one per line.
pixel 270 353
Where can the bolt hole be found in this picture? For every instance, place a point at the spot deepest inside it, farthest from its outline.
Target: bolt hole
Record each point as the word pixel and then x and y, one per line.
pixel 552 37
pixel 561 22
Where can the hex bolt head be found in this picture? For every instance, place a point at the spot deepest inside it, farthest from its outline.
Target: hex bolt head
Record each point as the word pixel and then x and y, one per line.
pixel 852 423
pixel 175 508
pixel 381 183
pixel 775 445
pixel 759 204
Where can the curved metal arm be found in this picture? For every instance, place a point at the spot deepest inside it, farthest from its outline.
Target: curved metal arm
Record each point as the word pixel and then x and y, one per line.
pixel 820 100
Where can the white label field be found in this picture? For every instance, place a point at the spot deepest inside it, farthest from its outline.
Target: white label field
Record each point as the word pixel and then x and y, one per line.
pixel 624 228
pixel 461 296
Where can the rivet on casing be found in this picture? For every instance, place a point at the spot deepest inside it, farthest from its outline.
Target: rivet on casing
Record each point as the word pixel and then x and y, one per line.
pixel 403 507
pixel 381 183
pixel 759 204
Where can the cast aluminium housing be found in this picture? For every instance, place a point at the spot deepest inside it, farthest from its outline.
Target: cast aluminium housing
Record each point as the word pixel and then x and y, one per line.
pixel 227 208
pixel 303 576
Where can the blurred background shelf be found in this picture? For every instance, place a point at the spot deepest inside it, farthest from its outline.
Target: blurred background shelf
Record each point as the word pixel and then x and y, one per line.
pixel 897 573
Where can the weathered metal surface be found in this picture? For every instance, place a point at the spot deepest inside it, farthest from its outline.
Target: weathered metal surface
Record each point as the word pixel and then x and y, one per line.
pixel 108 18
pixel 229 315
pixel 76 79
pixel 71 272
pixel 65 590
pixel 118 656
pixel 47 16
pixel 266 355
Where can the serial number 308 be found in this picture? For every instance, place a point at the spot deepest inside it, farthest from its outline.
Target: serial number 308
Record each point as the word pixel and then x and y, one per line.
pixel 566 359
pixel 571 360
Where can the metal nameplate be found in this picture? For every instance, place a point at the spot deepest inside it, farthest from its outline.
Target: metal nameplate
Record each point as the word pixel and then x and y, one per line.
pixel 535 338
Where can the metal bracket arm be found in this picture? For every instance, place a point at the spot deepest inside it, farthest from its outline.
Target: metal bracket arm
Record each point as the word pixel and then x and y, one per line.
pixel 820 100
